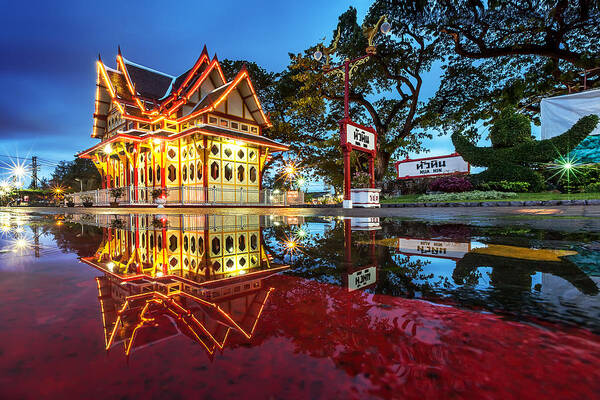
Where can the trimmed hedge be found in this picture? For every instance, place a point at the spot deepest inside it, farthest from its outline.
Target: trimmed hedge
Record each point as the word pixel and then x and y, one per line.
pixel 593 188
pixel 505 186
pixel 514 163
pixel 466 196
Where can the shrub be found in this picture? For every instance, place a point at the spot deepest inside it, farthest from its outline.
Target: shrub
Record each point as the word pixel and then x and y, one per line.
pixel 450 184
pixel 361 180
pixel 156 193
pixel 117 192
pixel 505 186
pixel 593 188
pixel 466 196
pixel 513 158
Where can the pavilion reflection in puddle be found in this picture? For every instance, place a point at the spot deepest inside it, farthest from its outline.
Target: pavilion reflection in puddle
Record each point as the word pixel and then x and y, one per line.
pixel 195 275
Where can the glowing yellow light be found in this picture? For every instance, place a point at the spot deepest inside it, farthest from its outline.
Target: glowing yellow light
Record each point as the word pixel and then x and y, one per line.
pixel 110 266
pixel 159 274
pixel 20 244
pixel 107 149
pixel 156 141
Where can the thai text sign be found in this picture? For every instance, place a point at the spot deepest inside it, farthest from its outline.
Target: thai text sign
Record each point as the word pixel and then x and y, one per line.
pixel 433 248
pixel 359 137
pixel 432 166
pixel 362 278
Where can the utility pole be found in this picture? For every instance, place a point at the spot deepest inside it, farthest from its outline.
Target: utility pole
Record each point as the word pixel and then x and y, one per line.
pixel 34 171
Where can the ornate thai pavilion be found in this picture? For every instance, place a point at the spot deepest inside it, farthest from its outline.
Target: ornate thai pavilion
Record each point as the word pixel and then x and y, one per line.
pixel 197 135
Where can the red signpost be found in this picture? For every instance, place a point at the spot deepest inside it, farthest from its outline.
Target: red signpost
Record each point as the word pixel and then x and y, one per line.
pixel 361 138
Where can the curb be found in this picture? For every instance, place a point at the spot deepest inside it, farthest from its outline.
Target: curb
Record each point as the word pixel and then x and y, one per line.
pixel 528 203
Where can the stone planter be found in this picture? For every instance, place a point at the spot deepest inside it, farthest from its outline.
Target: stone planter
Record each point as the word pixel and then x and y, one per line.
pixel 161 201
pixel 365 197
pixel 87 203
pixel 70 204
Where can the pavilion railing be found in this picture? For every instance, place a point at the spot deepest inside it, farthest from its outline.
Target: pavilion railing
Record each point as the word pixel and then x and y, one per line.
pixel 192 195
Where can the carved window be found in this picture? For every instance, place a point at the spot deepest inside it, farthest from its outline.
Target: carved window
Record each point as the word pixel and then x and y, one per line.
pixel 241 173
pixel 214 170
pixel 199 170
pixel 172 243
pixel 200 245
pixel 253 175
pixel 172 173
pixel 242 243
pixel 215 245
pixel 228 172
pixel 229 244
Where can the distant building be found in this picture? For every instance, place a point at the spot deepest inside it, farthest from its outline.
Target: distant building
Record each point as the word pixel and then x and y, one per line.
pixel 196 135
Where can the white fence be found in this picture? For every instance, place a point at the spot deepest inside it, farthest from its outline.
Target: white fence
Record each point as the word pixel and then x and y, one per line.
pixel 192 195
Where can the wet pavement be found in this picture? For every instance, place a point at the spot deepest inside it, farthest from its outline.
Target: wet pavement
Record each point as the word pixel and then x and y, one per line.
pixel 289 303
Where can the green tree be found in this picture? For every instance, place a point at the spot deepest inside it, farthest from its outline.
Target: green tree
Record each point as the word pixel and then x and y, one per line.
pixel 385 92
pixel 66 174
pixel 510 53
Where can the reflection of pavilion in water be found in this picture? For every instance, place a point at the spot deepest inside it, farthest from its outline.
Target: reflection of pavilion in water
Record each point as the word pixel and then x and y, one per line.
pixel 200 276
pixel 510 265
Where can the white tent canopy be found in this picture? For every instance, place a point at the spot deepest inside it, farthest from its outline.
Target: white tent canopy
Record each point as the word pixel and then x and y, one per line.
pixel 561 112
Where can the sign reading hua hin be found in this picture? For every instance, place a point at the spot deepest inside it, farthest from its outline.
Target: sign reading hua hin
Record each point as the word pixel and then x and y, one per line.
pixel 452 164
pixel 359 137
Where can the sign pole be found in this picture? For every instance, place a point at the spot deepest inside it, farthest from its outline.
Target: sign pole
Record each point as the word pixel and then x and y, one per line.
pixel 345 148
pixel 372 170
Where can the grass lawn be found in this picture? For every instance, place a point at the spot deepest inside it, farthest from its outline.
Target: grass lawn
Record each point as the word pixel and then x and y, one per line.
pixel 412 198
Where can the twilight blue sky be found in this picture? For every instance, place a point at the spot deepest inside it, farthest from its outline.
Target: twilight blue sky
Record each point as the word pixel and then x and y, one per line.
pixel 49 49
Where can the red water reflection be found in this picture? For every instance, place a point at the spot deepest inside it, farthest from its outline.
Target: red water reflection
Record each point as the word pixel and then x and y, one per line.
pixel 313 340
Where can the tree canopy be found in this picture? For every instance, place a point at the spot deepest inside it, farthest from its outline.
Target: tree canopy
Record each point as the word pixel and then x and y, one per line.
pixel 510 54
pixel 66 174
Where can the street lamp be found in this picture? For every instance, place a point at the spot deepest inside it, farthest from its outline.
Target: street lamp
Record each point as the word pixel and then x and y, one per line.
pixel 346 69
pixel 80 184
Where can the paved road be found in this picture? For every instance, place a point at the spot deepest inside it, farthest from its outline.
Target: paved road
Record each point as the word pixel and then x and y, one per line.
pixel 568 218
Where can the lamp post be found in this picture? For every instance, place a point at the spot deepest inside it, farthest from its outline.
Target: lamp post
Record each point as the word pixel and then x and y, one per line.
pixel 346 69
pixel 80 184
